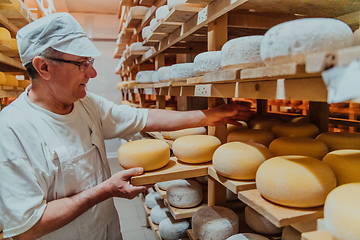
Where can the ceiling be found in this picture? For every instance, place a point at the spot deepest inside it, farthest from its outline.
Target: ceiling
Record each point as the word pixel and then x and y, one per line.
pixel 87 6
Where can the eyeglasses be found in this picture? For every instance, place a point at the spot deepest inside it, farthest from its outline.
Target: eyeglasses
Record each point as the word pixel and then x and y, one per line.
pixel 83 65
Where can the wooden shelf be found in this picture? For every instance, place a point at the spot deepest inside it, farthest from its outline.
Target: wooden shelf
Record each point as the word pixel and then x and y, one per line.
pixel 317 235
pixel 184 12
pixel 6 91
pixel 158 135
pixel 181 213
pixel 161 192
pixel 154 228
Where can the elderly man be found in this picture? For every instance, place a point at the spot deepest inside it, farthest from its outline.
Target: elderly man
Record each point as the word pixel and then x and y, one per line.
pixel 55 181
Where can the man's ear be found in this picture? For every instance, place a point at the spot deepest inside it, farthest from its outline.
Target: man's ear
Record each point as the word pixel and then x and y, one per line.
pixel 42 67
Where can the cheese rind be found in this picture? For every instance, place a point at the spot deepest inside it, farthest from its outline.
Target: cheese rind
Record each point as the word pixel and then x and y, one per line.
pixel 186 132
pixel 207 62
pixel 259 223
pixel 295 129
pixel 263 123
pixel 153 199
pixel 181 71
pixel 340 140
pixel 171 229
pixel 184 194
pixel 159 213
pixel 144 76
pixel 251 135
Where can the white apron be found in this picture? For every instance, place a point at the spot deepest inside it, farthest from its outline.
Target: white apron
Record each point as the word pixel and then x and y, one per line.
pixel 99 222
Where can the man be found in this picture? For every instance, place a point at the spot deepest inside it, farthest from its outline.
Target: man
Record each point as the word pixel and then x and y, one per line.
pixel 55 180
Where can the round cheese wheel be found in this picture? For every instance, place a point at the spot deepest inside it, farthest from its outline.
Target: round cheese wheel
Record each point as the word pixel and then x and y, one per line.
pixel 251 135
pixel 5 36
pixel 207 62
pixel 171 229
pixel 14 44
pixel 238 160
pixel 159 213
pixel 184 194
pixel 11 80
pixel 186 132
pixel 357 37
pixel 153 23
pixel 340 140
pixel 155 77
pixel 174 3
pixel 290 233
pixel 166 184
pixel 298 146
pixel 181 71
pixel 291 41
pixel 259 223
pixel 164 73
pixel 162 12
pixel 241 52
pixel 24 83
pixel 345 164
pixel 295 181
pixel 214 222
pixel 298 129
pixel 231 127
pixel 195 148
pixel 247 236
pixel 341 212
pixel 153 199
pixel 138 46
pixel 150 154
pixel 2 79
pixel 146 32
pixel 263 123
pixel 144 76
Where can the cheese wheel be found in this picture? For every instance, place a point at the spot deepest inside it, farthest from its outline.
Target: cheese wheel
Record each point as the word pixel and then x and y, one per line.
pixel 164 73
pixel 207 62
pixel 174 3
pixel 232 127
pixel 13 5
pixel 182 70
pixel 166 184
pixel 214 222
pixel 153 23
pixel 237 160
pixel 251 135
pixel 247 236
pixel 290 233
pixel 263 123
pixel 24 83
pixel 138 46
pixel 159 213
pixel 149 154
pixel 357 37
pixel 241 53
pixel 155 77
pixel 146 32
pixel 345 164
pixel 340 140
pixel 171 229
pixel 184 194
pixel 144 76
pixel 162 12
pixel 341 212
pixel 186 132
pixel 298 146
pixel 153 199
pixel 291 41
pixel 11 80
pixel 195 148
pixel 295 181
pixel 14 44
pixel 298 129
pixel 2 79
pixel 259 223
pixel 5 36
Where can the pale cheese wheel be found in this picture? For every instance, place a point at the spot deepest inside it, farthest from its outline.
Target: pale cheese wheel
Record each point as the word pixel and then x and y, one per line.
pixel 186 132
pixel 251 135
pixel 290 233
pixel 144 76
pixel 298 146
pixel 340 140
pixel 11 80
pixel 341 212
pixel 182 71
pixel 2 79
pixel 184 194
pixel 298 129
pixel 164 73
pixel 214 222
pixel 162 12
pixel 238 160
pixel 263 123
pixel 138 46
pixel 357 37
pixel 247 236
pixel 295 181
pixel 241 53
pixel 159 213
pixel 155 77
pixel 166 184
pixel 232 127
pixel 345 164
pixel 146 32
pixel 24 83
pixel 171 229
pixel 153 23
pixel 291 41
pixel 207 62
pixel 259 223
pixel 174 3
pixel 153 199
pixel 195 148
pixel 149 154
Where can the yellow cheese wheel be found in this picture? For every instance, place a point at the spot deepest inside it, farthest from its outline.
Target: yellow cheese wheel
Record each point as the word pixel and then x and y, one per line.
pixel 340 140
pixel 231 127
pixel 5 36
pixel 263 123
pixel 195 148
pixel 295 129
pixel 298 146
pixel 186 132
pixel 14 5
pixel 2 79
pixel 295 181
pixel 11 80
pixel 24 83
pixel 14 44
pixel 345 164
pixel 251 135
pixel 237 160
pixel 150 154
pixel 341 212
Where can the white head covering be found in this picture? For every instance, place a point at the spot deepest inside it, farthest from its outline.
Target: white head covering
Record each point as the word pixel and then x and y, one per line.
pixel 60 31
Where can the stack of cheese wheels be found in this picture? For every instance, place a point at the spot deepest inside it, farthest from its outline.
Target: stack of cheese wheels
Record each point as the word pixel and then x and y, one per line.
pixel 11 80
pixel 259 223
pixel 291 41
pixel 195 148
pixel 166 184
pixel 164 73
pixel 173 3
pixel 182 71
pixel 158 213
pixel 345 164
pixel 149 154
pixel 144 76
pixel 243 52
pixel 264 123
pixel 341 212
pixel 171 229
pixel 295 130
pixel 184 194
pixel 214 222
pixel 340 140
pixel 207 62
pixel 251 135
pixel 186 132
pixel 247 236
pixel 238 160
pixel 153 199
pixel 298 146
pixel 295 181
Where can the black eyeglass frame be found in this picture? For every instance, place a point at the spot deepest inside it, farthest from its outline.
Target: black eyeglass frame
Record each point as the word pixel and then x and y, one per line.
pixel 85 63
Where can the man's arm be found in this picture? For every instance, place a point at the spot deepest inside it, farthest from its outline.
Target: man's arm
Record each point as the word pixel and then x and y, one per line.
pixel 166 120
pixel 60 212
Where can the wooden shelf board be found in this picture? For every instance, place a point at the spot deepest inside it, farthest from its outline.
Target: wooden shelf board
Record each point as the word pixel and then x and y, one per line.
pixel 158 135
pixel 317 235
pixel 182 13
pixel 157 36
pixel 10 91
pixel 233 185
pixel 181 213
pixel 11 62
pixel 191 234
pixel 161 192
pixel 154 228
pixel 280 216
pixel 195 80
pixel 165 27
pixel 134 21
pixel 203 2
pixel 172 171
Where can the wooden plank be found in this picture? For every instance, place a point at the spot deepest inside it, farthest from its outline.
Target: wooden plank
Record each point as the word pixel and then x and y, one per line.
pixel 157 36
pixel 164 27
pixel 158 135
pixel 8 25
pixel 11 62
pixel 280 216
pixel 161 192
pixel 317 235
pixel 4 92
pixel 154 228
pixel 175 169
pixel 222 76
pixel 234 185
pixel 202 2
pixel 240 66
pixel 195 80
pixel 181 213
pixel 183 12
pixel 191 234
